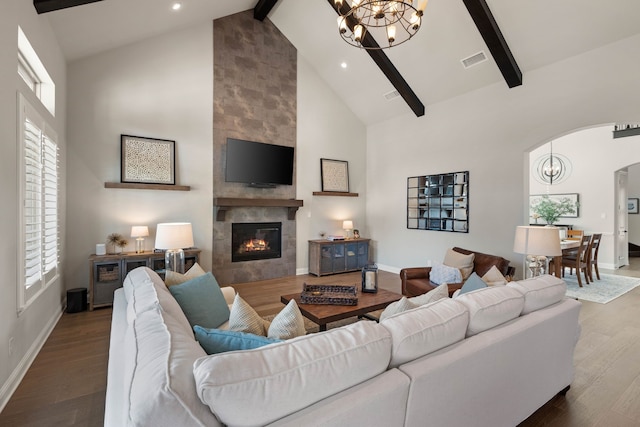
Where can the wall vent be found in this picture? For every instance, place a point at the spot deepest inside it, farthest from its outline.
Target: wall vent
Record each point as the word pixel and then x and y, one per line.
pixel 474 59
pixel 391 95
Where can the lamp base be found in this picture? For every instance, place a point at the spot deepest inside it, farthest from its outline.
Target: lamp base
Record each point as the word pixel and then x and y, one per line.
pixel 140 245
pixel 174 260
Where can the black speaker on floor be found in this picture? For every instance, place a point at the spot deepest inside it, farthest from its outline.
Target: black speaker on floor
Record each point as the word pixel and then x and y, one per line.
pixel 76 300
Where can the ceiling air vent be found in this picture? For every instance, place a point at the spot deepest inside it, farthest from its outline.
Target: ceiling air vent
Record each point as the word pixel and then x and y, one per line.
pixel 474 59
pixel 391 95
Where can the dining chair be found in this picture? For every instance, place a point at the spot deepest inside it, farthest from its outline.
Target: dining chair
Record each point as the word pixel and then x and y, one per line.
pixel 575 234
pixel 593 256
pixel 580 260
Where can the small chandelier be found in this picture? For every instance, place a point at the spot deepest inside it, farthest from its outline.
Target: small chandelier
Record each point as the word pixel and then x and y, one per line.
pixel 396 21
pixel 552 168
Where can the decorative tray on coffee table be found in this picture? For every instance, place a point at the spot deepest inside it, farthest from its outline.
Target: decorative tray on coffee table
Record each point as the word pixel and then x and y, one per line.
pixel 329 294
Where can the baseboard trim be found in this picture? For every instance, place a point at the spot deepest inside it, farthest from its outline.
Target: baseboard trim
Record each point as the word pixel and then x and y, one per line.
pixel 302 271
pixel 388 268
pixel 12 383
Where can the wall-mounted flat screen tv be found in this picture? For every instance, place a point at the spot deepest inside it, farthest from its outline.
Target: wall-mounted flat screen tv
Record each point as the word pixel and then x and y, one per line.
pixel 258 164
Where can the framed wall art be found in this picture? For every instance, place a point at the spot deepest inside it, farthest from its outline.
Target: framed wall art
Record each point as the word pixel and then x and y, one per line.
pixel 334 175
pixel 147 160
pixel 438 202
pixel 632 205
pixel 534 199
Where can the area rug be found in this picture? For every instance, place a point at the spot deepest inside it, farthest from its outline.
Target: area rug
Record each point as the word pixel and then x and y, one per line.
pixel 602 291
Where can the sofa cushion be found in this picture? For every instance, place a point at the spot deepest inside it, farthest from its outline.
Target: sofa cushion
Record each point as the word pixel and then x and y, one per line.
pixel 202 301
pixel 289 376
pixel 147 291
pixel 441 273
pixel 215 341
pixel 490 307
pixel 461 261
pixel 540 292
pixel 162 389
pixel 174 278
pixel 493 277
pixel 426 329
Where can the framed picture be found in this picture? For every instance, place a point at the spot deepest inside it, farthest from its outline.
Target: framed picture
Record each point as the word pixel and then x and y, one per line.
pixel 335 175
pixel 147 160
pixel 632 206
pixel 534 199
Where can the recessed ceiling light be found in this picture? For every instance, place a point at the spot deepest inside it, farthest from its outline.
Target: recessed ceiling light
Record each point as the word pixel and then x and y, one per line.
pixel 176 6
pixel 343 65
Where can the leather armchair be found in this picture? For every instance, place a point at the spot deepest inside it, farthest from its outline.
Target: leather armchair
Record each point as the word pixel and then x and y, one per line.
pixel 415 280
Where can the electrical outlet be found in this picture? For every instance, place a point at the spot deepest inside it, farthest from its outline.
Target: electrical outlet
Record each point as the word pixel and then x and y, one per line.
pixel 11 345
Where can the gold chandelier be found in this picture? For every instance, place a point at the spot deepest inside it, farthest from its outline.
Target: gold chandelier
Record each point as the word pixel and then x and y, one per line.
pixel 395 21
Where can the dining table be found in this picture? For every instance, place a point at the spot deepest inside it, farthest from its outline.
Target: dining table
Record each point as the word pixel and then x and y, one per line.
pixel 567 246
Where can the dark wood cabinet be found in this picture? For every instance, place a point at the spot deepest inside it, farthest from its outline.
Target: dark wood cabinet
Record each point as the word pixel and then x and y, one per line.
pixel 107 272
pixel 331 257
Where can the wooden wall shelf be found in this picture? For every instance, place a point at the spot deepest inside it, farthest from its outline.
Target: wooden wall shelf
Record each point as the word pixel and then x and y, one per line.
pixel 334 193
pixel 223 204
pixel 140 186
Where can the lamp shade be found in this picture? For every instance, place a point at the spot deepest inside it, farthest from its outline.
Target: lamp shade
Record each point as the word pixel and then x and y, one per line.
pixel 347 225
pixel 537 241
pixel 139 231
pixel 174 235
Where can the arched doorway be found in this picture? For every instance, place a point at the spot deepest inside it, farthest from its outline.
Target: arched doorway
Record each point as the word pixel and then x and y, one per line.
pixel 598 162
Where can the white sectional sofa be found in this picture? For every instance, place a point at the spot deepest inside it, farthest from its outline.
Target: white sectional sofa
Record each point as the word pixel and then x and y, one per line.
pixel 490 357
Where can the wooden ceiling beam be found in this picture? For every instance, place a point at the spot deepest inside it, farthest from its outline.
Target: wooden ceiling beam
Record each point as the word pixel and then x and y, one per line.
pixel 385 65
pixel 497 45
pixel 44 6
pixel 263 8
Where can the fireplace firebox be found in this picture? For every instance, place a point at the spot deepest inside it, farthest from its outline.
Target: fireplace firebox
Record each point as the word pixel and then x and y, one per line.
pixel 255 240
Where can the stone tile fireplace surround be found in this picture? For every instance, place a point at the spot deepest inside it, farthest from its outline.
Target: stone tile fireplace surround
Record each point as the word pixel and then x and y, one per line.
pixel 254 99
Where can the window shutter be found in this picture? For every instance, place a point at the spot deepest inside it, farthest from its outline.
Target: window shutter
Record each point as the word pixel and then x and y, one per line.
pixel 32 214
pixel 39 233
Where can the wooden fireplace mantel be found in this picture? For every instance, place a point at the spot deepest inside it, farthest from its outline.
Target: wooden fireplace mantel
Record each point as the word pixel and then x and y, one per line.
pixel 223 204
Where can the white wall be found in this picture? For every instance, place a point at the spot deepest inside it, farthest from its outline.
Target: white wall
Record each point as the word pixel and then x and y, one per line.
pixel 633 190
pixel 326 129
pixel 31 327
pixel 159 88
pixel 489 132
pixel 595 156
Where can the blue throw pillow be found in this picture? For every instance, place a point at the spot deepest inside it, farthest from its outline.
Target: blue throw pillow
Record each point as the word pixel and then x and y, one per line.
pixel 202 301
pixel 219 341
pixel 473 282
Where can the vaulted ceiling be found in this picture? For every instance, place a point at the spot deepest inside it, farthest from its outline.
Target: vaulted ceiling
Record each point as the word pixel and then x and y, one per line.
pixel 538 33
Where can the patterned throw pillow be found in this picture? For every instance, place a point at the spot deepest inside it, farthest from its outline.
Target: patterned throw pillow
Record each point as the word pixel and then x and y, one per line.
pixel 289 323
pixel 441 273
pixel 172 278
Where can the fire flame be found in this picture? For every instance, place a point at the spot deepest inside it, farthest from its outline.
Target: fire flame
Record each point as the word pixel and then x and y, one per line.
pixel 254 245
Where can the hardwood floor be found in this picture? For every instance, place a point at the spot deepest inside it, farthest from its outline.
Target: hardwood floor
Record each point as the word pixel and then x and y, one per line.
pixel 66 384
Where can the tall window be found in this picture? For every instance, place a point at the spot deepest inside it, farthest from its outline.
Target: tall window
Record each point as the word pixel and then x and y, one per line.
pixel 39 235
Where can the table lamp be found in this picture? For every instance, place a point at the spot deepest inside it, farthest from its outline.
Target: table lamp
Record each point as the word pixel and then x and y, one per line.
pixel 347 225
pixel 173 237
pixel 139 232
pixel 537 243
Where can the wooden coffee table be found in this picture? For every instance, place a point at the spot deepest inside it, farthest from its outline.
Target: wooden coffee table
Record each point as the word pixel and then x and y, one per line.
pixel 326 313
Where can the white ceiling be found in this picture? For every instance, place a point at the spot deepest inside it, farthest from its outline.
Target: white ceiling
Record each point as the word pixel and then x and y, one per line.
pixel 538 32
